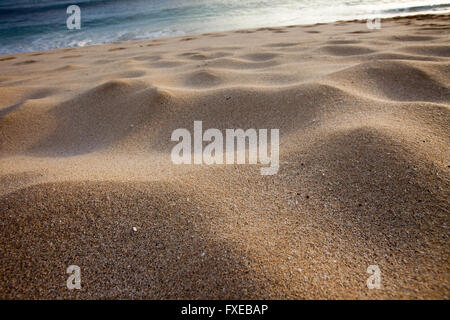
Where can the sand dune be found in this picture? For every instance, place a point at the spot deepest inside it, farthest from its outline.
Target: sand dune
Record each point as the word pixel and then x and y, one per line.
pixel 364 119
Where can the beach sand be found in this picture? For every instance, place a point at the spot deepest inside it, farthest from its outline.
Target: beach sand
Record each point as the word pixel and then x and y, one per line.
pixel 364 125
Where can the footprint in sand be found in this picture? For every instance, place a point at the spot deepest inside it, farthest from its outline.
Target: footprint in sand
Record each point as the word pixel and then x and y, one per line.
pixel 25 62
pixel 7 58
pixel 117 49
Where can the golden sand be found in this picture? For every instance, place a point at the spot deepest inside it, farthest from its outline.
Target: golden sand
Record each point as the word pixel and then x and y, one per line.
pixel 364 121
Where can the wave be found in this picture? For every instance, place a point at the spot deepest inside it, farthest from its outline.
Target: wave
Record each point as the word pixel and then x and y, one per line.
pixel 423 8
pixel 28 25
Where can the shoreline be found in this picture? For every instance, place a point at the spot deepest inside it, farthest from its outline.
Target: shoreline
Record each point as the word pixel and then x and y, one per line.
pixel 362 21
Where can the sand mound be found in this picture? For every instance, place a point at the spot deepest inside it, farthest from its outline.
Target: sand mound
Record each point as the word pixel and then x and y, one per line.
pixel 395 80
pixel 147 260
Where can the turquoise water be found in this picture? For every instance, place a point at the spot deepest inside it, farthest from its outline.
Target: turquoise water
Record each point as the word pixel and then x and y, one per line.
pixel 27 25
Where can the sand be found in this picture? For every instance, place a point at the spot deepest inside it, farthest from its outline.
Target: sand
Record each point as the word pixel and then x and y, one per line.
pixel 364 119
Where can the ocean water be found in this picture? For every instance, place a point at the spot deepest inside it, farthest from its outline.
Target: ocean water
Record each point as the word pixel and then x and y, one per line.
pixel 28 25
